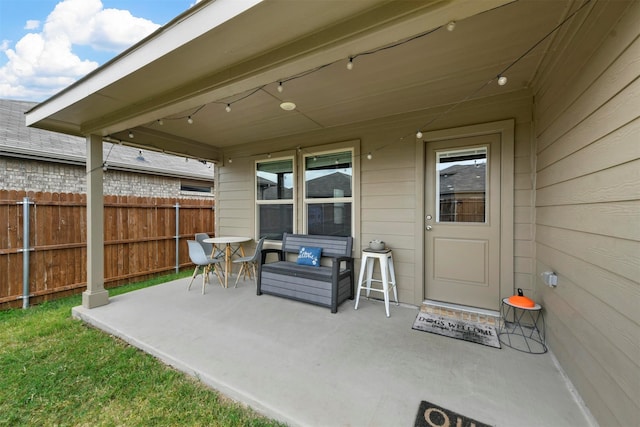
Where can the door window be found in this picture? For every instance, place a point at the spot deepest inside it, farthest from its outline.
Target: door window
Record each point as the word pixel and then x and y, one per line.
pixel 461 185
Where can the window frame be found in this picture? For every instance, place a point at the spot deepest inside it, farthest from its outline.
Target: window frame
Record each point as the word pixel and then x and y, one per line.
pixel 292 201
pixel 299 209
pixel 306 201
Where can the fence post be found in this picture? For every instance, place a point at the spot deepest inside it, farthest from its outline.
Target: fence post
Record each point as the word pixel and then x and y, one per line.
pixel 177 237
pixel 25 252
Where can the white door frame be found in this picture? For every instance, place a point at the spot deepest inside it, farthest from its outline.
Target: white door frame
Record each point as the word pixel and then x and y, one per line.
pixel 506 130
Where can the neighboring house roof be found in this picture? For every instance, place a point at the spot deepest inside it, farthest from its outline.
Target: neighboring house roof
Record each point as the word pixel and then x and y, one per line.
pixel 18 140
pixel 323 186
pixel 463 179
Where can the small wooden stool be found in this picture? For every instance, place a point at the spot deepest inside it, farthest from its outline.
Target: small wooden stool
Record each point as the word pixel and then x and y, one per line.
pixel 387 272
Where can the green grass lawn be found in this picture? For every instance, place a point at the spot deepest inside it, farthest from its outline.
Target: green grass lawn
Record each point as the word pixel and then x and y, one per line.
pixel 55 370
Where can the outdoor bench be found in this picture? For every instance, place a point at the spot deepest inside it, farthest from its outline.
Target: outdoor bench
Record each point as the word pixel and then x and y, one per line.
pixel 324 285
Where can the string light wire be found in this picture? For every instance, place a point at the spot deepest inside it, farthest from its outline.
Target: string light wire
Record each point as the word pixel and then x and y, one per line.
pixel 500 76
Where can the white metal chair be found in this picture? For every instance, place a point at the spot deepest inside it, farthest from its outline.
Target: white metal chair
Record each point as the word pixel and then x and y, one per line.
pixel 249 261
pixel 201 260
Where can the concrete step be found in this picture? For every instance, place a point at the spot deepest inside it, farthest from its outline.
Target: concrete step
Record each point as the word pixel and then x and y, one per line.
pixel 461 312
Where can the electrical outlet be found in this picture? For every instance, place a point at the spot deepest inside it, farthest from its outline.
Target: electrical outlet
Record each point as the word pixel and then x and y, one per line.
pixel 550 279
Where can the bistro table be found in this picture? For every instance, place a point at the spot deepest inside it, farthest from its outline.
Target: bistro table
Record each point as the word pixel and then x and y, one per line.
pixel 228 251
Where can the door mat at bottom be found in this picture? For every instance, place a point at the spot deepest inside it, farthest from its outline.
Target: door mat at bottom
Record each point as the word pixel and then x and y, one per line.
pixel 433 415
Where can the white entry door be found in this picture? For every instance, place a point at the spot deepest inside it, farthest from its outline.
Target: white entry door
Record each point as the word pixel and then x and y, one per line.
pixel 462 221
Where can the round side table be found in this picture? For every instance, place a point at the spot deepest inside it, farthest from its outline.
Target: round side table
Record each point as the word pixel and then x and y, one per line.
pixel 526 332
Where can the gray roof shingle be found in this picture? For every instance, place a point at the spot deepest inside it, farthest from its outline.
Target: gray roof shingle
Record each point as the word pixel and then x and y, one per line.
pixel 18 140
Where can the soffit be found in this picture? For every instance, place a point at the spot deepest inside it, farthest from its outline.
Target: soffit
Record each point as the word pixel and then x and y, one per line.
pixel 270 42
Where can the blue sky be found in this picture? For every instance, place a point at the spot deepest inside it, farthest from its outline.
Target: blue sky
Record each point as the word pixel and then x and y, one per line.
pixel 45 45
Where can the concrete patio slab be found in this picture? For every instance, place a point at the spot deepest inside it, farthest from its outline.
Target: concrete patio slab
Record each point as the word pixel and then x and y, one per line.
pixel 300 364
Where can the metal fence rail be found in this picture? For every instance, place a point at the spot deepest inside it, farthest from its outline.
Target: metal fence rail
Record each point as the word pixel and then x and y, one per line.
pixel 43 241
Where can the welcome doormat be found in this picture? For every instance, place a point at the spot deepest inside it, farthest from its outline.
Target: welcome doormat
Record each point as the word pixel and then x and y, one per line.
pixel 433 415
pixel 478 333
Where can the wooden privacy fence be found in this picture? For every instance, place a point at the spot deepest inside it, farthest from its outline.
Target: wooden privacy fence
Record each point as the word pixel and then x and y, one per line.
pixel 143 236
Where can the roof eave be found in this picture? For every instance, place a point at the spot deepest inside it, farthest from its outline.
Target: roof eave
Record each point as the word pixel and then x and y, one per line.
pixel 176 33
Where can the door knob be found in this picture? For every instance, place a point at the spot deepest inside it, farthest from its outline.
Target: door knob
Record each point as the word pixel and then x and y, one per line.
pixel 429 228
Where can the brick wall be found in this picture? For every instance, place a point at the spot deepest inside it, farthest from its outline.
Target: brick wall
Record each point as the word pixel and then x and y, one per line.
pixel 34 175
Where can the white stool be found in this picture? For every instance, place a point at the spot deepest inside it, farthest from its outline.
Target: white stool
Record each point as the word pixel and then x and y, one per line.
pixel 387 272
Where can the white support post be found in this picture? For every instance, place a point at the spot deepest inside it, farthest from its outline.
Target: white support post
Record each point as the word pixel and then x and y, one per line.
pixel 95 295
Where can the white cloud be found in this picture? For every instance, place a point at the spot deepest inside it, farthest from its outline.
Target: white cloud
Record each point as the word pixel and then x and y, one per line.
pixel 107 36
pixel 44 63
pixel 32 24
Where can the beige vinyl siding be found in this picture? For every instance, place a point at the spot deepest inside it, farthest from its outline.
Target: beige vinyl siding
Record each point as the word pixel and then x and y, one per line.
pixel 388 205
pixel 237 216
pixel 588 206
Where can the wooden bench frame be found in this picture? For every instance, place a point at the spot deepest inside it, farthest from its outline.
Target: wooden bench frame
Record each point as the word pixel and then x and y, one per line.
pixel 327 285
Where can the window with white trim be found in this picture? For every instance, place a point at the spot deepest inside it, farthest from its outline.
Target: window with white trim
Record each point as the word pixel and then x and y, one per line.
pixel 275 195
pixel 328 193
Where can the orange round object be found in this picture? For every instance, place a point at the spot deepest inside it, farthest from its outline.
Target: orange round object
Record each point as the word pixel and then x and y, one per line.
pixel 521 301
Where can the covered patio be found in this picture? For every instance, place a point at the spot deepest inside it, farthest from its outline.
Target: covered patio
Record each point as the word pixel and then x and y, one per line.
pixel 547 90
pixel 300 364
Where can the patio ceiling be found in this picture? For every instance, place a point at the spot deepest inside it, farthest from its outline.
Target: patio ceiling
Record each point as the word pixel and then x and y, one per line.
pixel 235 52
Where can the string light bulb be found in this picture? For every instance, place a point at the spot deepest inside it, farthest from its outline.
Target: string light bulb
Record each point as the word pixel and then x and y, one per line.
pixel 230 160
pixel 130 134
pixel 369 155
pixel 350 64
pixel 502 80
pixel 104 166
pixel 189 120
pixel 419 134
pixel 451 26
pixel 160 122
pixel 228 108
pixel 280 87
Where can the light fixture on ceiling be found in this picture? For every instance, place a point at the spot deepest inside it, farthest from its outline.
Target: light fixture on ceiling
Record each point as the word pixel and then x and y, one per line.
pixel 451 26
pixel 502 80
pixel 288 106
